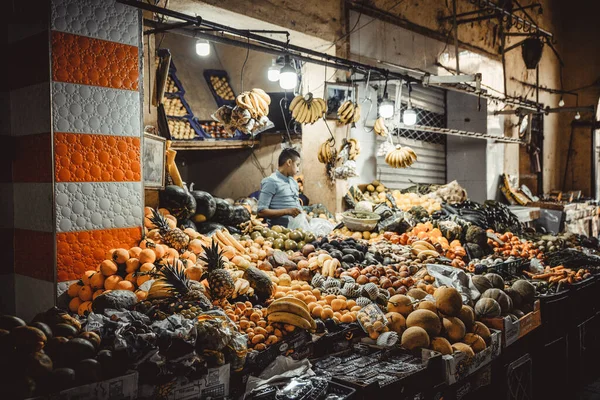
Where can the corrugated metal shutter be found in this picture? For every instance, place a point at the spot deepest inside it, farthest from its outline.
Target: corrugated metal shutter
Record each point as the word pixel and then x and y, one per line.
pixel 430 167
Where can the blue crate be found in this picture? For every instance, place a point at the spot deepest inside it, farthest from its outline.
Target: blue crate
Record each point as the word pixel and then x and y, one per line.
pixel 221 74
pixel 187 107
pixel 178 83
pixel 197 128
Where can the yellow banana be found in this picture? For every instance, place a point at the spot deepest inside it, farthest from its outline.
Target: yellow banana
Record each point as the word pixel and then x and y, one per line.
pixel 291 299
pixel 291 308
pixel 295 102
pixel 263 95
pixel 288 318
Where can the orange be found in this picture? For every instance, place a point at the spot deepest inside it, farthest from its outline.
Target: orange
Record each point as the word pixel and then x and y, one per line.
pixel 110 283
pixel 194 273
pixel 97 293
pixel 172 253
pixel 120 256
pixel 147 256
pixel 108 267
pixel 109 254
pixel 85 293
pixel 74 304
pixel 142 279
pixel 132 265
pixel 134 252
pixel 188 255
pixel 97 281
pixel 125 285
pixel 131 278
pixel 141 295
pixel 84 308
pixel 146 243
pixel 86 277
pixel 160 251
pixel 73 290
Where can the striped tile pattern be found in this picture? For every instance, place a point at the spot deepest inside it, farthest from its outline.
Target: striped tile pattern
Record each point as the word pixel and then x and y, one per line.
pixel 96 118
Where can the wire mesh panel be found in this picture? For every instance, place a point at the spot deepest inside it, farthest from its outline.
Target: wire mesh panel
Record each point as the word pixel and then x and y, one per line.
pixel 518 379
pixel 425 118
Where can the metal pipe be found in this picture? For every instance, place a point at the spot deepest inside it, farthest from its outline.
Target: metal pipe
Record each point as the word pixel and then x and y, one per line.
pixel 475 19
pixel 490 4
pixel 455 29
pixel 465 14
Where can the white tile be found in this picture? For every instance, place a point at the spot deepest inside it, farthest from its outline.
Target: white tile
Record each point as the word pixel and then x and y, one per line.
pixel 33 206
pixel 101 19
pixel 7 218
pixel 30 109
pixel 99 205
pixel 32 296
pixel 94 109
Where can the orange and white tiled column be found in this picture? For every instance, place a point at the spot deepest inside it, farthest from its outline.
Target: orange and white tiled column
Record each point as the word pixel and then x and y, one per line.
pixel 70 170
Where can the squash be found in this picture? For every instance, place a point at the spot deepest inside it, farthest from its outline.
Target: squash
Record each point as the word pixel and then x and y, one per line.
pixel 415 337
pixel 205 204
pixel 425 319
pixel 525 289
pixel 502 298
pixel 481 283
pixel 487 308
pixel 496 280
pixel 515 296
pixel 223 212
pixel 179 201
pixel 9 322
pixel 454 328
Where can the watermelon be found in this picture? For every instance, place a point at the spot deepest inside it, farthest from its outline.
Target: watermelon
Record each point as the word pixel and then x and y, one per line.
pixel 205 205
pixel 179 201
pixel 223 211
pixel 239 215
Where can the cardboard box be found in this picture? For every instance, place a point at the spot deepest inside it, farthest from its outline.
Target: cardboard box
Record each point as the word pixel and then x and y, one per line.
pixel 119 388
pixel 214 384
pixel 457 367
pixel 513 331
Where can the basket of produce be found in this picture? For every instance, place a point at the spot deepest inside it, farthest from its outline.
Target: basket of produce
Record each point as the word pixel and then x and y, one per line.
pixel 360 220
pixel 218 83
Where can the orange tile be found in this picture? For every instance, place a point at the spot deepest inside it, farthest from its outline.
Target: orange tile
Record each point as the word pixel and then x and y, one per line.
pixel 34 254
pixel 77 252
pixel 33 158
pixel 80 59
pixel 96 158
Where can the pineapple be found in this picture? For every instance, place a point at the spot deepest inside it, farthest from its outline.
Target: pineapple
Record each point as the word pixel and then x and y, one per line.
pixel 219 280
pixel 175 237
pixel 173 283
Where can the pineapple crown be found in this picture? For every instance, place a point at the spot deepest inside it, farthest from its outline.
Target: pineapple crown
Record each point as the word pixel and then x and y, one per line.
pixel 159 220
pixel 175 278
pixel 212 256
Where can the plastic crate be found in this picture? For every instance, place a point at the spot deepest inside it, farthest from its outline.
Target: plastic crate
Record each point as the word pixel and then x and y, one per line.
pixel 556 314
pixel 178 84
pixel 187 107
pixel 201 135
pixel 511 268
pixel 552 360
pixel 583 300
pixel 208 73
pixel 519 379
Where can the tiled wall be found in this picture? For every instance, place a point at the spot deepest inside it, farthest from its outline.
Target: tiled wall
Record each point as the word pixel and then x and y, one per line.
pixel 96 120
pixel 70 132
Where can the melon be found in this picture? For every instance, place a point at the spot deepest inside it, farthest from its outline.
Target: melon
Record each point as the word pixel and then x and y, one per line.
pixel 427 305
pixel 518 313
pixel 448 301
pixel 496 280
pixel 441 345
pixel 464 348
pixel 454 328
pixel 467 316
pixel 525 289
pixel 475 341
pixel 515 297
pixel 480 329
pixel 401 304
pixel 417 294
pixel 425 319
pixel 487 308
pixel 502 298
pixel 481 283
pixel 397 322
pixel 414 337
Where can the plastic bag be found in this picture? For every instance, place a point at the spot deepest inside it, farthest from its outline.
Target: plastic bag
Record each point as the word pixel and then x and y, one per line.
pixel 176 336
pixel 236 351
pixel 215 331
pixel 320 227
pixel 399 222
pixel 452 277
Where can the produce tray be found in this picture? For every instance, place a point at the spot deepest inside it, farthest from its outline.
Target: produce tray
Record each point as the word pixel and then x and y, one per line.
pixel 201 135
pixel 457 367
pixel 178 84
pixel 220 74
pixel 336 342
pixel 511 268
pixel 513 331
pixel 238 135
pixel 297 343
pixel 187 107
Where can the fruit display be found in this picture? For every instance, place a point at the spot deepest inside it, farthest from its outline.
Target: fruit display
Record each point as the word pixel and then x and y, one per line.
pixel 174 107
pixel 511 245
pixel 215 130
pixel 327 153
pixel 171 86
pixel 308 109
pixel 380 128
pixel 349 112
pixel 222 88
pixel 181 129
pixel 401 157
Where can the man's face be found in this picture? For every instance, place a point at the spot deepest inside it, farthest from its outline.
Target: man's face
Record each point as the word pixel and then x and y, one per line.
pixel 292 167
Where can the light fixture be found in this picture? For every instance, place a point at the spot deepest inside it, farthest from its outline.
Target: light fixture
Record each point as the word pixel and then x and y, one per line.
pixel 561 102
pixel 273 72
pixel 202 47
pixel 577 115
pixel 386 108
pixel 288 78
pixel 409 116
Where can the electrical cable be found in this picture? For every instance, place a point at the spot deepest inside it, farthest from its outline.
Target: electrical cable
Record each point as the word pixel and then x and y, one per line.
pixel 244 64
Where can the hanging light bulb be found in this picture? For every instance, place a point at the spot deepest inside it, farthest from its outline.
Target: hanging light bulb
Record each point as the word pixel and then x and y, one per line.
pixel 386 108
pixel 577 116
pixel 202 47
pixel 273 72
pixel 561 102
pixel 288 78
pixel 409 116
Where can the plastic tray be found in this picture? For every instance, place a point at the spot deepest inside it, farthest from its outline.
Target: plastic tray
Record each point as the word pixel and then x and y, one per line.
pixel 201 135
pixel 511 268
pixel 187 107
pixel 221 74
pixel 178 84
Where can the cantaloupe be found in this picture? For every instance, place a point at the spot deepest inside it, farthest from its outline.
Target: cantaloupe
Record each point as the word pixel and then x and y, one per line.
pixel 441 345
pixel 425 319
pixel 487 308
pixel 502 298
pixel 417 294
pixel 481 283
pixel 464 348
pixel 454 329
pixel 467 316
pixel 448 301
pixel 427 305
pixel 475 341
pixel 401 304
pixel 414 337
pixel 397 322
pixel 525 289
pixel 496 280
pixel 480 329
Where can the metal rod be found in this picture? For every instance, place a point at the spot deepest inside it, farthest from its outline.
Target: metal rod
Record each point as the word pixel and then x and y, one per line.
pixel 457 132
pixel 168 27
pixel 514 46
pixel 543 88
pixel 537 83
pixel 455 30
pixel 490 4
pixel 475 19
pixel 465 14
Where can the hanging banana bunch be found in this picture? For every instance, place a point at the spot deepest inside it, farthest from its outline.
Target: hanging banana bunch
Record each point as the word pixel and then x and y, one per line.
pixel 380 128
pixel 348 112
pixel 401 157
pixel 327 153
pixel 353 149
pixel 307 109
